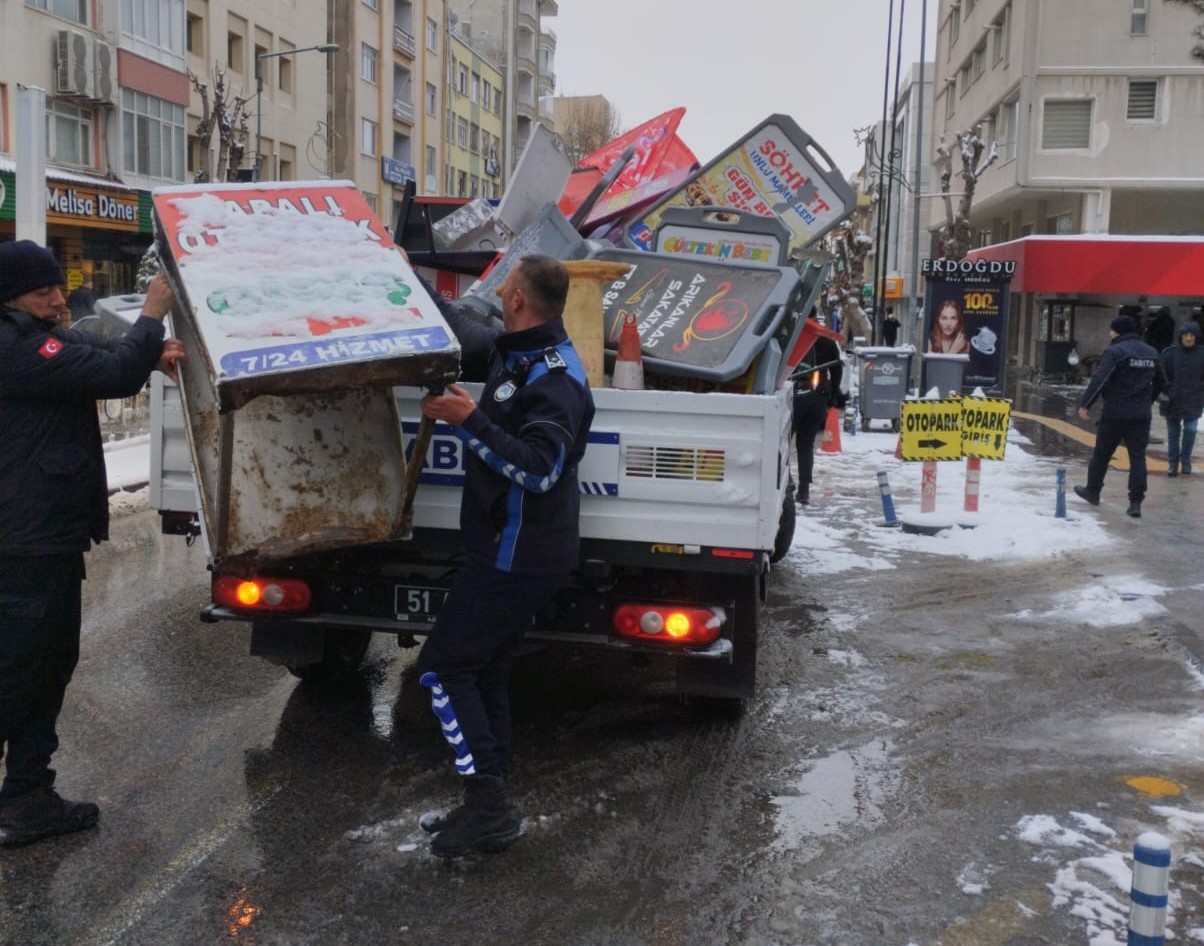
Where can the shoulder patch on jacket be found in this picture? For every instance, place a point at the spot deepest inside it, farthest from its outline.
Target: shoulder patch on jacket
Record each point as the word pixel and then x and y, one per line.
pixel 50 348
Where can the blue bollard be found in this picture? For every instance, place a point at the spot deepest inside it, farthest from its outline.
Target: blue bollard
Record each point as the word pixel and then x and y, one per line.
pixel 1151 883
pixel 1060 507
pixel 888 502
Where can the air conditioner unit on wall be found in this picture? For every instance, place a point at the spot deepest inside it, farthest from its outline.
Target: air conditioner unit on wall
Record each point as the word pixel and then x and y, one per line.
pixel 105 59
pixel 73 64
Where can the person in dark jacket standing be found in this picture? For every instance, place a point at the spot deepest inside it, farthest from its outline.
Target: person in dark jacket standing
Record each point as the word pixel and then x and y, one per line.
pixel 1183 365
pixel 55 505
pixel 816 389
pixel 1129 378
pixel 519 533
pixel 82 300
pixel 890 329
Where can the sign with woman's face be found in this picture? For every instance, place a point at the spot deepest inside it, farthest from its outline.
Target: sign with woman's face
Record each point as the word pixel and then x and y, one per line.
pixel 966 314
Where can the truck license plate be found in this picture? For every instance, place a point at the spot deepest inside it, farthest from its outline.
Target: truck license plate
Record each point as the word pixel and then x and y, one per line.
pixel 417 604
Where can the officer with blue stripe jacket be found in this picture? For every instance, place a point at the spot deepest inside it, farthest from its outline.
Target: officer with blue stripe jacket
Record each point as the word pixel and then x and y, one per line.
pixel 1128 379
pixel 519 532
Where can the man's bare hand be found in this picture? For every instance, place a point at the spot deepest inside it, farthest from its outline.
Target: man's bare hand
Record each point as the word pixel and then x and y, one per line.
pixel 159 298
pixel 1083 414
pixel 452 406
pixel 173 353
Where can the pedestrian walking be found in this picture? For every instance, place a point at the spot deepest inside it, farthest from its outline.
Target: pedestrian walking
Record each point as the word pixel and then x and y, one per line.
pixel 1160 329
pixel 55 505
pixel 519 534
pixel 816 389
pixel 890 329
pixel 1183 365
pixel 82 300
pixel 1128 379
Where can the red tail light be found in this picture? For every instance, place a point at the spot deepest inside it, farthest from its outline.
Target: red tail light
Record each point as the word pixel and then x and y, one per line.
pixel 678 625
pixel 282 595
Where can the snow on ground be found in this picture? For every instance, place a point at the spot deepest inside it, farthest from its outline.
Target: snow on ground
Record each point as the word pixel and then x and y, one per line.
pixel 843 529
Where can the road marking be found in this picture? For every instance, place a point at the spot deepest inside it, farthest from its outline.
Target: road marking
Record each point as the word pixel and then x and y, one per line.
pixel 1120 460
pixel 131 913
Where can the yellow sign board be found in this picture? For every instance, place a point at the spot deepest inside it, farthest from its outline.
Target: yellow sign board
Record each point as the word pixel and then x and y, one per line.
pixel 891 287
pixel 931 430
pixel 985 427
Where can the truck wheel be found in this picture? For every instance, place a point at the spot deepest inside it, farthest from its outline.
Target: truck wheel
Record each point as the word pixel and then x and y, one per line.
pixel 786 524
pixel 342 653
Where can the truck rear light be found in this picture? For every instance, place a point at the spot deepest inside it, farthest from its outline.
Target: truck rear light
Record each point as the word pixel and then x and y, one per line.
pixel 261 594
pixel 657 622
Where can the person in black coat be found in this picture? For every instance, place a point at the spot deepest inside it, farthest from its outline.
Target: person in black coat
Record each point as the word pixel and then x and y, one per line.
pixel 890 329
pixel 82 300
pixel 816 389
pixel 1128 379
pixel 1160 329
pixel 1183 365
pixel 55 505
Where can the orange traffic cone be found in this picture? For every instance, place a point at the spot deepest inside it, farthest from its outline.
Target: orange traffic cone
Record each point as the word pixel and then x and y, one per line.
pixel 899 447
pixel 831 442
pixel 629 363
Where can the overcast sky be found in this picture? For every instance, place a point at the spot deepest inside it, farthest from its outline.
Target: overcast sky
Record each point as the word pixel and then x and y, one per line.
pixel 820 61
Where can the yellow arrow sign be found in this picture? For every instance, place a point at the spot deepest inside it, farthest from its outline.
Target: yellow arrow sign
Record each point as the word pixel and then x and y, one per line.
pixel 931 430
pixel 985 427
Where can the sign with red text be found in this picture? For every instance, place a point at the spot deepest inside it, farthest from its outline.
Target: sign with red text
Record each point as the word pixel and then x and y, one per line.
pixel 776 170
pixel 293 279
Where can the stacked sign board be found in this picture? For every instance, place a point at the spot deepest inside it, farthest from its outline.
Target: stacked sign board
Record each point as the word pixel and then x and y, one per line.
pixel 298 315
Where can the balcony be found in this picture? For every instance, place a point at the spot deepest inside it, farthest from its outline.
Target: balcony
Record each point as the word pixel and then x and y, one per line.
pixel 403 110
pixel 404 42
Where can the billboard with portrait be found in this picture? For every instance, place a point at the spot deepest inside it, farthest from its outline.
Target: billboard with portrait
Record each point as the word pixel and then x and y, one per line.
pixel 966 313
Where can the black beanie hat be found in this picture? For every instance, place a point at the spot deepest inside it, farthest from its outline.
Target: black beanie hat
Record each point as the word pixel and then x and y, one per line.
pixel 24 267
pixel 1123 325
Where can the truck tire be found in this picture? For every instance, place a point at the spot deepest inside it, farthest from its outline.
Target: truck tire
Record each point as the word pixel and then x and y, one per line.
pixel 786 525
pixel 342 653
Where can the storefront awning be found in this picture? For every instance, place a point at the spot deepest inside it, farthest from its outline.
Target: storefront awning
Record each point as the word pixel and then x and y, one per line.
pixel 1104 264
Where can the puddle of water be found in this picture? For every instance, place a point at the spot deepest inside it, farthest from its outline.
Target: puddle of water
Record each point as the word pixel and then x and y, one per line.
pixel 845 788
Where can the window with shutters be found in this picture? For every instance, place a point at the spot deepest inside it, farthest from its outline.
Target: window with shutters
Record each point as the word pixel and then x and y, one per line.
pixel 1143 100
pixel 1067 124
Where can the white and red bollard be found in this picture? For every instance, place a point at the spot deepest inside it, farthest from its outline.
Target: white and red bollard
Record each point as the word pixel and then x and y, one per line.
pixel 973 476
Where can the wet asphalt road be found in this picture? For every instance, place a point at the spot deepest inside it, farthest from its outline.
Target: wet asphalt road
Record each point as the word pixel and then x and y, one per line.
pixel 869 795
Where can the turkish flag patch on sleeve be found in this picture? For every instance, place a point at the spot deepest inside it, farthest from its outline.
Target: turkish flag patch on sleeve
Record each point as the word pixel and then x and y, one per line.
pixel 50 348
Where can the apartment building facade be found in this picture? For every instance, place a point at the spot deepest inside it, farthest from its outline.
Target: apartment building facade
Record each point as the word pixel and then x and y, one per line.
pixel 898 172
pixel 1097 111
pixel 116 96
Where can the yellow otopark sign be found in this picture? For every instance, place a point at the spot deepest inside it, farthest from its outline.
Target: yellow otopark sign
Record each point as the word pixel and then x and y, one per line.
pixel 985 427
pixel 931 430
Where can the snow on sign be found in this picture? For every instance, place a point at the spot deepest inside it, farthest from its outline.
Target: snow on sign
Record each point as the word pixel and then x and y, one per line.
pixel 297 288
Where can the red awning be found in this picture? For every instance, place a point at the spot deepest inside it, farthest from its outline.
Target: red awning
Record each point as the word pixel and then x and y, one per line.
pixel 1104 264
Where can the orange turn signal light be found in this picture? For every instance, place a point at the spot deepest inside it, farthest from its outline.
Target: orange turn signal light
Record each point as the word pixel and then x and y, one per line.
pixel 670 623
pixel 288 595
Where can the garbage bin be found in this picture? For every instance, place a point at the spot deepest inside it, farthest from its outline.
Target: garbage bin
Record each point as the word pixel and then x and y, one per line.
pixel 943 372
pixel 882 379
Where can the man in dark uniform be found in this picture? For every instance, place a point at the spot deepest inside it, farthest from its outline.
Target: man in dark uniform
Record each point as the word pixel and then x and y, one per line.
pixel 519 532
pixel 1129 378
pixel 816 389
pixel 55 504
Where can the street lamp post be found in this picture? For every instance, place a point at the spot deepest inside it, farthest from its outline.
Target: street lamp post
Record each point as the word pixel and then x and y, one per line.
pixel 320 48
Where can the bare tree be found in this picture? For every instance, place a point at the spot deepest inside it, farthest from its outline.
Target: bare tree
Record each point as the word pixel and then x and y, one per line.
pixel 957 236
pixel 227 115
pixel 1197 5
pixel 585 123
pixel 850 245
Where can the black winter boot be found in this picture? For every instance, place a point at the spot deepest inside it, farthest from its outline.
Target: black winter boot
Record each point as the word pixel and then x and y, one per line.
pixel 487 821
pixel 43 814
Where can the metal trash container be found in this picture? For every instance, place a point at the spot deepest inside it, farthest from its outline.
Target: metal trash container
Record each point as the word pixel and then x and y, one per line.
pixel 882 380
pixel 943 372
